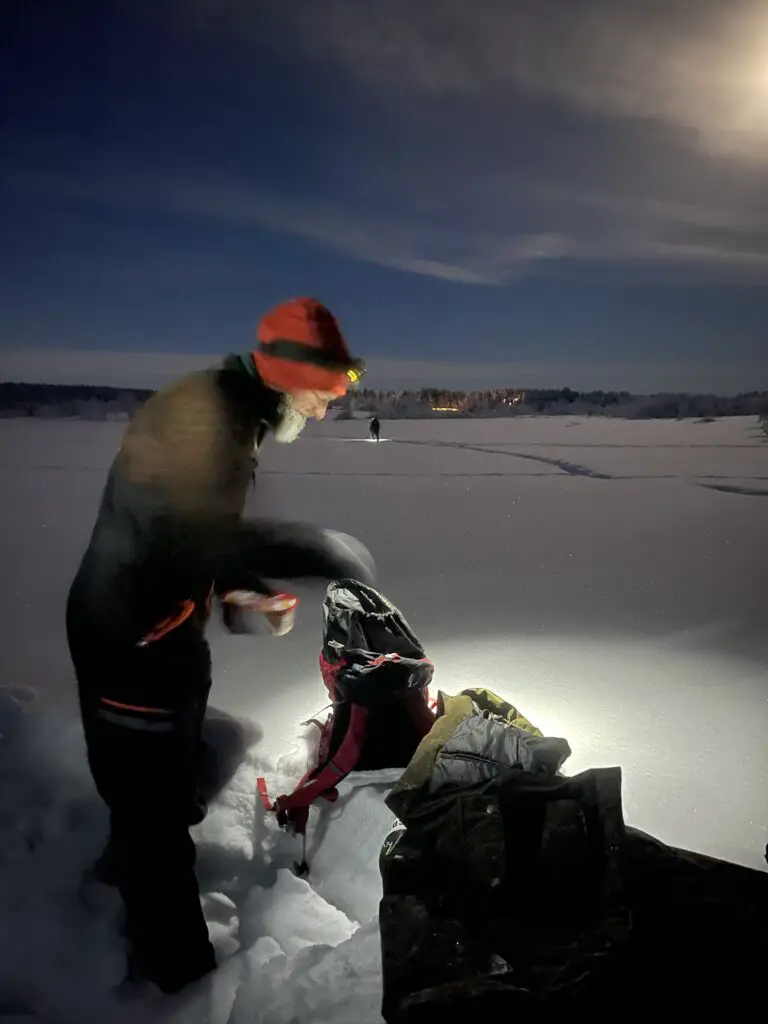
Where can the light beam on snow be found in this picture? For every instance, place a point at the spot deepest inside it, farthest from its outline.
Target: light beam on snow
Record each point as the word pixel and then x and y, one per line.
pixel 665 713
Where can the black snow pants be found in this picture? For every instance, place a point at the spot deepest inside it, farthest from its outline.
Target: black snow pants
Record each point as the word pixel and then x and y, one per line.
pixel 142 710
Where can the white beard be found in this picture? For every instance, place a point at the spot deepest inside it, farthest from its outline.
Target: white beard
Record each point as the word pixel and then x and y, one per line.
pixel 291 422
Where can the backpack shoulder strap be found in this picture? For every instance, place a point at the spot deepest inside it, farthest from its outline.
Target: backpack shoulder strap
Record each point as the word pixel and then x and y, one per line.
pixel 322 781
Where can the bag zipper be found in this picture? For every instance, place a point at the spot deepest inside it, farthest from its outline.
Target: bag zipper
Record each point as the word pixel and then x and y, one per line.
pixel 458 755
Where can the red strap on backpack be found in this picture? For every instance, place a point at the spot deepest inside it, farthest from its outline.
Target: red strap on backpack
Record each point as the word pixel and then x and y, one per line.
pixel 293 809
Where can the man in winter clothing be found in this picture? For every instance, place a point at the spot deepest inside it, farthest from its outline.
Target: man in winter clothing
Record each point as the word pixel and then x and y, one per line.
pixel 168 539
pixel 374 428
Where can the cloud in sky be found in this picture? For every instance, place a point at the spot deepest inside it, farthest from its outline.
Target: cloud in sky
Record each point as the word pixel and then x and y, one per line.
pixel 583 147
pixel 570 225
pixel 700 65
pixel 510 136
pixel 654 114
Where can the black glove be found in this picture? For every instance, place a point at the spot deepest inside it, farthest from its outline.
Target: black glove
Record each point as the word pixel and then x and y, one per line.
pixel 352 556
pixel 266 549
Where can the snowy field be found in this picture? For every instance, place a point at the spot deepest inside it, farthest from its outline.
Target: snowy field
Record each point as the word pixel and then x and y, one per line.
pixel 609 577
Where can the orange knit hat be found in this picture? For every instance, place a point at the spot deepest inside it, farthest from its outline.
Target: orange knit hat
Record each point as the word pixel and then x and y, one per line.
pixel 302 349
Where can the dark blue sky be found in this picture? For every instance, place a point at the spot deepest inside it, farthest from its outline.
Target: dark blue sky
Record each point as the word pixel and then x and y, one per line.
pixel 539 183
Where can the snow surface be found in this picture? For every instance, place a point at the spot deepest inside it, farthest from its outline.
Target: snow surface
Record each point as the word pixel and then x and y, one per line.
pixel 607 576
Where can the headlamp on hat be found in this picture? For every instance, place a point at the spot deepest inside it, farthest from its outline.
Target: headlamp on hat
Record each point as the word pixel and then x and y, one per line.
pixel 356 372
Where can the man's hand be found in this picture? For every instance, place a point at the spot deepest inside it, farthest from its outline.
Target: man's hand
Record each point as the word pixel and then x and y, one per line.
pixel 244 611
pixel 350 549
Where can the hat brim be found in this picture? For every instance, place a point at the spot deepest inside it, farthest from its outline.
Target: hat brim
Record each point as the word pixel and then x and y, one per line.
pixel 288 375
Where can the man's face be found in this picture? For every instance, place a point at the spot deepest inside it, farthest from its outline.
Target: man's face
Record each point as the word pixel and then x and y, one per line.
pixel 312 404
pixel 297 408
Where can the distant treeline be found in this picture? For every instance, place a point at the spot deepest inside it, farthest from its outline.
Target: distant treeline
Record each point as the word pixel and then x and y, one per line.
pixel 85 401
pixel 508 402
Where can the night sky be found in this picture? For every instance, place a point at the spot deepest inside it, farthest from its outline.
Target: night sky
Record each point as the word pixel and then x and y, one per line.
pixel 554 191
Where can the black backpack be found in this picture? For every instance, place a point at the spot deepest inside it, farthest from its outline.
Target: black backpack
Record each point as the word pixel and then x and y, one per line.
pixel 377 676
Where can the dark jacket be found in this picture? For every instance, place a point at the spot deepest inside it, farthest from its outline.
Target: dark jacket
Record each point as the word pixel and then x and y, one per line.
pixel 169 528
pixel 509 887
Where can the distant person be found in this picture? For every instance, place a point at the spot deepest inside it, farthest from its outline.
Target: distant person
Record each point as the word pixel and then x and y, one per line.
pixel 374 428
pixel 168 539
